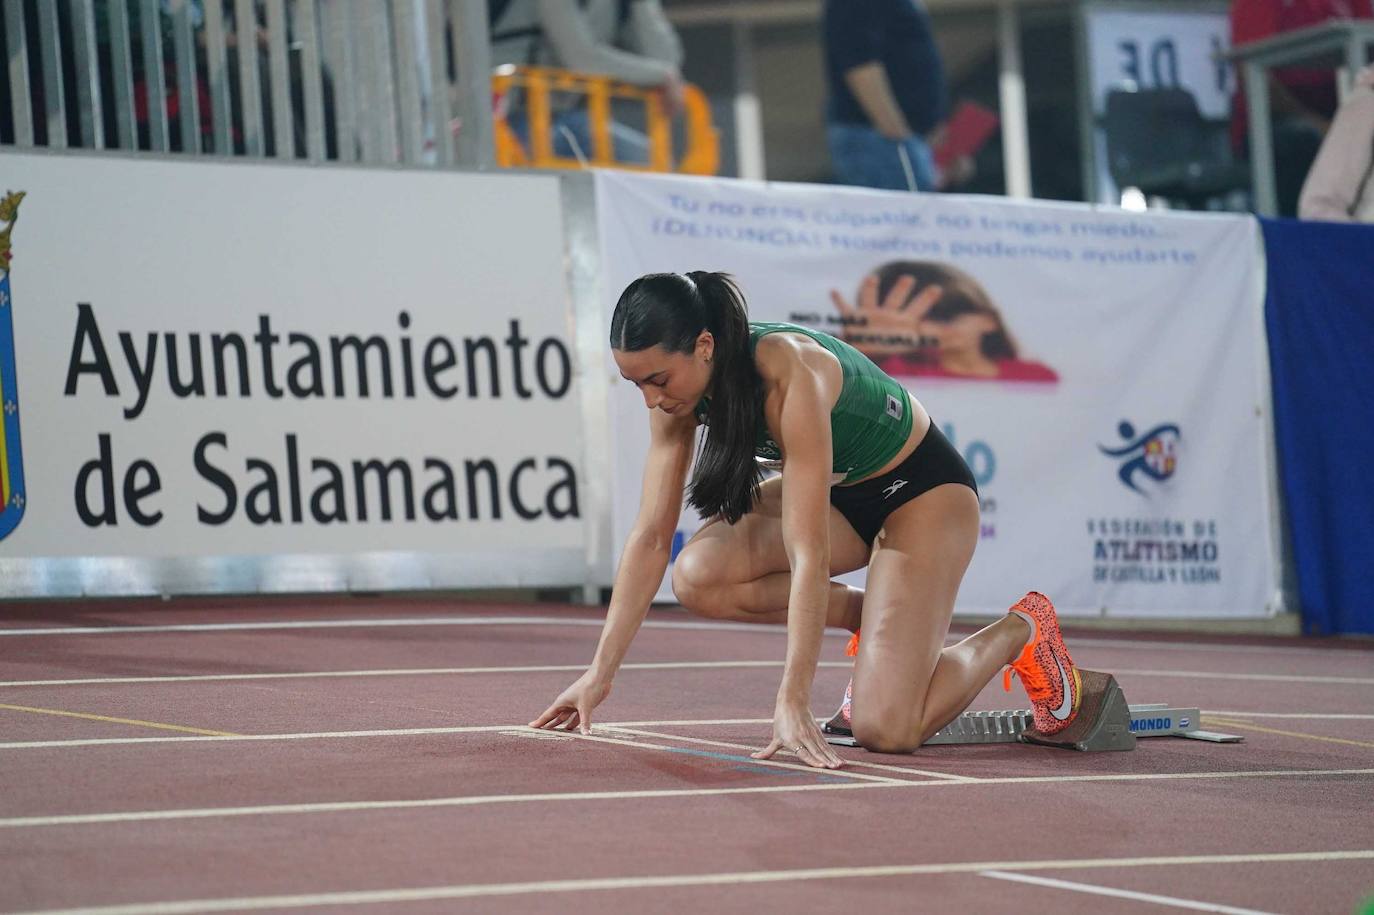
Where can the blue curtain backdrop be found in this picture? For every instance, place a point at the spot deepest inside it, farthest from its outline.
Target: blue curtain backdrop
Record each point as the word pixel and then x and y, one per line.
pixel 1319 309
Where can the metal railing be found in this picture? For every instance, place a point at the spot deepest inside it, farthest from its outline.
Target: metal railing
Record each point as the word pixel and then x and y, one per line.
pixel 375 81
pixel 700 155
pixel 370 81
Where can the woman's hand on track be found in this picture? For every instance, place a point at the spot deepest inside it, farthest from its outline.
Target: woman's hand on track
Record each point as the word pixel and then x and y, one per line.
pixel 796 730
pixel 573 708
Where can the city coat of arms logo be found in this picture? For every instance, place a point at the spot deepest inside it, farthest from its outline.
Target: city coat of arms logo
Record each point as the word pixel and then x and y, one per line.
pixel 12 495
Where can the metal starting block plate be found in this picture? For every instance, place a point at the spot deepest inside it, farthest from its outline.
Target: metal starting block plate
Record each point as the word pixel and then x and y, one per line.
pixel 1009 726
pixel 1156 720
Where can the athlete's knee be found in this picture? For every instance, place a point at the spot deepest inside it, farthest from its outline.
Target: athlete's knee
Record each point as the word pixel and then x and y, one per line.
pixel 695 584
pixel 888 739
pixel 890 730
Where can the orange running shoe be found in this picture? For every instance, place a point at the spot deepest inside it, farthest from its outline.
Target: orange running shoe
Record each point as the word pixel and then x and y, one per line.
pixel 1046 670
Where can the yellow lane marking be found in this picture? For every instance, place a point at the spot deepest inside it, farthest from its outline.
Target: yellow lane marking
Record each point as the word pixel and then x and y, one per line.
pixel 133 721
pixel 1245 726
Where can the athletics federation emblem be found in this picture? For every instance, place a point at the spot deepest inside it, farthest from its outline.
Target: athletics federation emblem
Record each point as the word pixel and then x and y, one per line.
pixel 1154 454
pixel 11 458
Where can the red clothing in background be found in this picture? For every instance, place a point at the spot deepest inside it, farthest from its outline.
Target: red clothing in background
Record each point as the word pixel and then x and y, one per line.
pixel 1314 87
pixel 1007 370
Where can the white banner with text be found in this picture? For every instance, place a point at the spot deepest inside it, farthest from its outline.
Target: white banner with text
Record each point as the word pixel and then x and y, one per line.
pixel 227 359
pixel 1102 372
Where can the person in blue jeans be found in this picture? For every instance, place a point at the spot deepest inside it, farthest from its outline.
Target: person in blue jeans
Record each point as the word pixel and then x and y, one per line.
pixel 887 97
pixel 572 136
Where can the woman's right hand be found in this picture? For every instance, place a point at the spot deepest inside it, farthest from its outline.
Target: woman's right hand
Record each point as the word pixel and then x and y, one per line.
pixel 573 707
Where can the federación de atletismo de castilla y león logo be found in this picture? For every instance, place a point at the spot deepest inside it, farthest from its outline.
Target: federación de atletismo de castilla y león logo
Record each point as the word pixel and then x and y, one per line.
pixel 1153 454
pixel 12 496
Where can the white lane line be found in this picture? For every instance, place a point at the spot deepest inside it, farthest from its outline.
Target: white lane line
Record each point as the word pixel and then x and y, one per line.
pixel 736 878
pixel 312 735
pixel 1332 716
pixel 341 735
pixel 686 722
pixel 391 622
pixel 849 763
pixel 1078 639
pixel 405 672
pixel 659 665
pixel 478 800
pixel 1336 716
pixel 1271 678
pixel 1174 901
pixel 1086 641
pixel 742 760
pixel 134 816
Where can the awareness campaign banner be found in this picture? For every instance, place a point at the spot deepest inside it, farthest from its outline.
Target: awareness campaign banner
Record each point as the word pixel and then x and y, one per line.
pixel 206 359
pixel 1102 372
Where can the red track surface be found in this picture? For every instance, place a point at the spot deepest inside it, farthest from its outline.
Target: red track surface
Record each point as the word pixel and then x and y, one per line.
pixel 447 803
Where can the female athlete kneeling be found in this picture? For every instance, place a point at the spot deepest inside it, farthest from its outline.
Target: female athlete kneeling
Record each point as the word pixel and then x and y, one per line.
pixel 867 480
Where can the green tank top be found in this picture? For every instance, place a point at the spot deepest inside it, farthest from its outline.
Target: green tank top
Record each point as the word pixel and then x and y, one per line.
pixel 869 423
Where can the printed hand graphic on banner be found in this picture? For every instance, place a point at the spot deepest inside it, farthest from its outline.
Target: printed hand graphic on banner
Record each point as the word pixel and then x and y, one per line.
pixel 927 318
pixel 889 326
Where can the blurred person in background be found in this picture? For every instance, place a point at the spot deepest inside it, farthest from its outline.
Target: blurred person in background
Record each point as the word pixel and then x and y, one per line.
pixel 176 95
pixel 887 98
pixel 628 40
pixel 1340 186
pixel 1302 100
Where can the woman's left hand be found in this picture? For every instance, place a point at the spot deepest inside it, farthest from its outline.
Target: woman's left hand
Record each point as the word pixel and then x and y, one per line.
pixel 795 729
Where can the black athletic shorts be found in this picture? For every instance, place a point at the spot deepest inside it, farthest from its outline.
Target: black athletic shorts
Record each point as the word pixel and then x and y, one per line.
pixel 866 505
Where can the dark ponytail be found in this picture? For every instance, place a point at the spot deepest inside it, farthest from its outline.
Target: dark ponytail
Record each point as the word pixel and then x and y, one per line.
pixel 671 310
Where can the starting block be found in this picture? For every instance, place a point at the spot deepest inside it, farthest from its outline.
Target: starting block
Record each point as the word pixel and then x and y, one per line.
pixel 1105 722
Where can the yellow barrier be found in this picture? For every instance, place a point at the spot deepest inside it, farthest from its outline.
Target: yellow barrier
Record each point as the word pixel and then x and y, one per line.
pixel 700 157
